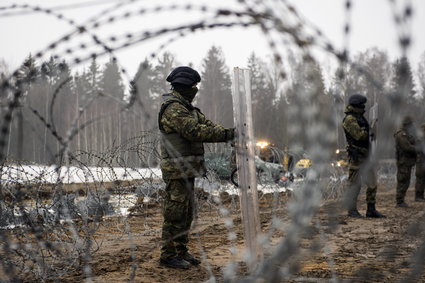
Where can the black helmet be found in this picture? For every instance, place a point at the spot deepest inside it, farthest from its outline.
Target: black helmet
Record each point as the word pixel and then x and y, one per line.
pixel 183 75
pixel 357 99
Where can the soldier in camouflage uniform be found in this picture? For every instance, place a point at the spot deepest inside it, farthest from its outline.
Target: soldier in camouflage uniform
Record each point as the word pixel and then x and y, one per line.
pixel 356 129
pixel 184 129
pixel 406 152
pixel 420 167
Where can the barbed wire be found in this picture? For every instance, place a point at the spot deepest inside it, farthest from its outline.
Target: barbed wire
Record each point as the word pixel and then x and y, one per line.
pixel 66 230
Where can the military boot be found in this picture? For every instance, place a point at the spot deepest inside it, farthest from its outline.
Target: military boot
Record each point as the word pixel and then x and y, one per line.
pixel 354 213
pixel 372 212
pixel 190 258
pixel 419 197
pixel 174 262
pixel 402 204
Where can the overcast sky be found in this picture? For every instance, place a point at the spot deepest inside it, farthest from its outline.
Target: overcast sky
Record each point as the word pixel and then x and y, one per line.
pixel 372 25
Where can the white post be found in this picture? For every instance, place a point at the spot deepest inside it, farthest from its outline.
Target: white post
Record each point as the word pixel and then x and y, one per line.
pixel 245 161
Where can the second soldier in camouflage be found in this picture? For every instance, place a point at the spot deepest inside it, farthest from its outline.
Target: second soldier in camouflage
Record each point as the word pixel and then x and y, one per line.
pixel 356 129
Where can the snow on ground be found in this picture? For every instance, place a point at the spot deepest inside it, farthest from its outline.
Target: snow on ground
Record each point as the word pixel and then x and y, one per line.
pixel 52 174
pixel 120 203
pixel 215 188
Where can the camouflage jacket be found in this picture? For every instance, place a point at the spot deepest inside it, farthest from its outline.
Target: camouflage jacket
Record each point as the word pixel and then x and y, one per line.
pixel 405 145
pixel 356 129
pixel 184 129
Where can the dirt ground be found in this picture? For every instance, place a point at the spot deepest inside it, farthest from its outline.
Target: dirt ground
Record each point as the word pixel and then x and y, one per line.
pixel 369 250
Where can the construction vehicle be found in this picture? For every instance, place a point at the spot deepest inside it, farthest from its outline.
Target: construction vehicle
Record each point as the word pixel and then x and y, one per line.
pixel 340 159
pixel 304 163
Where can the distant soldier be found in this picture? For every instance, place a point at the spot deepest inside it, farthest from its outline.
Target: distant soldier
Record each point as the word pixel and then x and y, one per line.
pixel 360 169
pixel 183 129
pixel 406 153
pixel 420 167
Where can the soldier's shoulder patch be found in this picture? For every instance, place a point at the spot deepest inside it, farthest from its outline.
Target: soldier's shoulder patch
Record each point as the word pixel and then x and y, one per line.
pixel 175 106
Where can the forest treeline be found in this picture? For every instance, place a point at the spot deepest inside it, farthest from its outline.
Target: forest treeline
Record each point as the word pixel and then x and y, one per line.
pixel 99 111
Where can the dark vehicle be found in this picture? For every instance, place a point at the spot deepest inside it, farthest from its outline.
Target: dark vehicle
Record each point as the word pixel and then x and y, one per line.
pixel 267 173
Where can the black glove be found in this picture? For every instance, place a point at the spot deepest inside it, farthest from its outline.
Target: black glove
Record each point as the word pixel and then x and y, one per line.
pixel 229 134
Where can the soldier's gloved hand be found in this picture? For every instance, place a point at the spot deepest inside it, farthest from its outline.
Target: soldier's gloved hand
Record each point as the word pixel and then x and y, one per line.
pixel 229 134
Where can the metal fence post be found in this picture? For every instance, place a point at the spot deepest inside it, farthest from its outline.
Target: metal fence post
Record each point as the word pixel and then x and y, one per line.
pixel 245 161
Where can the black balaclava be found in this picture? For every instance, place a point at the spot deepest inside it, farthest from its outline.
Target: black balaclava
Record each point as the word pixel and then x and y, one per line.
pixel 188 92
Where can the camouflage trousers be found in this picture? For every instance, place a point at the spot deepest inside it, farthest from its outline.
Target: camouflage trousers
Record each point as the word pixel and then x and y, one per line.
pixel 178 214
pixel 362 173
pixel 420 180
pixel 404 172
